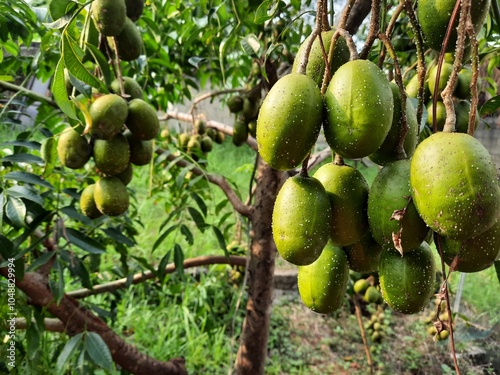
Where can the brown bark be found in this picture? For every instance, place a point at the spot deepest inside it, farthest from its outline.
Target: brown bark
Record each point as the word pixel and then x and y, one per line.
pixel 77 319
pixel 359 11
pixel 252 352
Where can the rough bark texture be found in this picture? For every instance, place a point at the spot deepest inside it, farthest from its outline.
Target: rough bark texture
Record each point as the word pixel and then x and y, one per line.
pixel 76 319
pixel 252 352
pixel 359 11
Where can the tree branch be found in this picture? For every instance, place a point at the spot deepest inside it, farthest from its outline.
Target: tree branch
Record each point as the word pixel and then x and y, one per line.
pixel 220 181
pixel 374 29
pixel 50 324
pixel 358 13
pixel 143 276
pixel 28 93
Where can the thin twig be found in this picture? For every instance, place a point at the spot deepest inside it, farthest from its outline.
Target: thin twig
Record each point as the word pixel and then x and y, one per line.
pixel 374 29
pixel 357 309
pixel 389 30
pixel 28 93
pixel 475 74
pixel 211 94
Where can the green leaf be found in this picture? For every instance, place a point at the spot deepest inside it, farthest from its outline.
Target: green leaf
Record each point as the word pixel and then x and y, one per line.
pixel 19 191
pixel 59 91
pixel 84 242
pixel 58 8
pixel 118 236
pixel 22 143
pixel 57 287
pixel 163 236
pixel 33 338
pixel 187 234
pixel 23 158
pixel 15 209
pixel 40 261
pixel 200 202
pixel 68 351
pixel 145 264
pixel 251 45
pixel 28 178
pixel 2 206
pixel 72 54
pixel 60 23
pixel 179 259
pixel 101 61
pixel 198 218
pixel 98 351
pixel 6 248
pixel 490 107
pixel 163 264
pixel 73 213
pixel 221 240
pixel 497 268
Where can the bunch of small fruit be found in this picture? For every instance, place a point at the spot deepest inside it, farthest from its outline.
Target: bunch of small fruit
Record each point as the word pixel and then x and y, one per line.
pixel 200 141
pixel 434 323
pixel 446 188
pixel 376 327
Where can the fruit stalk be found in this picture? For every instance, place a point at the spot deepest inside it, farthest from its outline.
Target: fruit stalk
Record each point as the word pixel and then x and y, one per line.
pixel 389 30
pixel 374 29
pixel 357 309
pixel 316 32
pixel 475 73
pixel 118 68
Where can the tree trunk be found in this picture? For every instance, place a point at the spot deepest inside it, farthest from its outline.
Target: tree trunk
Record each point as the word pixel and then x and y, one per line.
pixel 359 11
pixel 252 352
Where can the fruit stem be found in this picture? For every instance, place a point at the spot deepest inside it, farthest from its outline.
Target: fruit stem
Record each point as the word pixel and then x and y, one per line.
pixel 357 309
pixel 420 58
pixel 338 160
pixel 118 68
pixel 448 305
pixel 475 73
pixel 389 30
pixel 303 170
pixel 316 32
pixel 374 29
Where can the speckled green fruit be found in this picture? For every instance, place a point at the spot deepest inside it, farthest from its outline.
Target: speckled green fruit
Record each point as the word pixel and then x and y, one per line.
pixel 462 90
pixel 390 192
pixel 141 152
pixel 235 104
pixel 111 196
pixel 455 185
pixel 289 121
pixel 359 109
pixel 240 132
pixel 364 255
pixel 412 88
pixel 109 16
pixel 462 111
pixel 126 175
pixel 112 157
pixel 347 190
pixel 372 295
pixel 108 114
pixel 129 42
pixel 407 283
pixel 73 149
pixel 474 254
pixel 87 203
pixel 387 152
pixel 134 9
pixel 434 17
pixel 360 286
pixel 130 87
pixel 316 63
pixel 323 284
pixel 440 115
pixel 142 120
pixel 301 220
pixel 444 76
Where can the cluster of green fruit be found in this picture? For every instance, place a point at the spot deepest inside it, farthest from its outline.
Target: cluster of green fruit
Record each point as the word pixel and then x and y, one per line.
pixel 326 223
pixel 246 109
pixel 376 327
pixel 429 320
pixel 370 293
pixel 120 134
pixel 201 140
pixel 115 19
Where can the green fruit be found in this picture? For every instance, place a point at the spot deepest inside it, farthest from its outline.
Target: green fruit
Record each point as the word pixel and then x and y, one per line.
pixel 347 190
pixel 73 149
pixel 134 9
pixel 141 152
pixel 126 175
pixel 212 133
pixel 235 104
pixel 446 71
pixel 377 326
pixel 390 192
pixel 323 284
pixel 359 109
pixel 361 285
pixel 440 115
pixel 372 295
pixel 289 121
pixel 388 150
pixel 111 196
pixel 462 111
pixel 364 255
pixel 194 144
pixel 87 203
pixel 130 86
pixel 142 120
pixel 240 132
pixel 462 90
pixel 432 330
pixel 434 17
pixel 316 62
pixel 109 16
pixel 129 42
pixel 252 128
pixel 200 126
pixel 443 335
pixel 108 114
pixel 48 150
pixel 112 157
pixel 474 254
pixel 219 137
pixel 206 144
pixel 183 141
pixel 407 282
pixel 412 88
pixel 376 336
pixel 455 185
pixel 301 220
pixel 250 110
